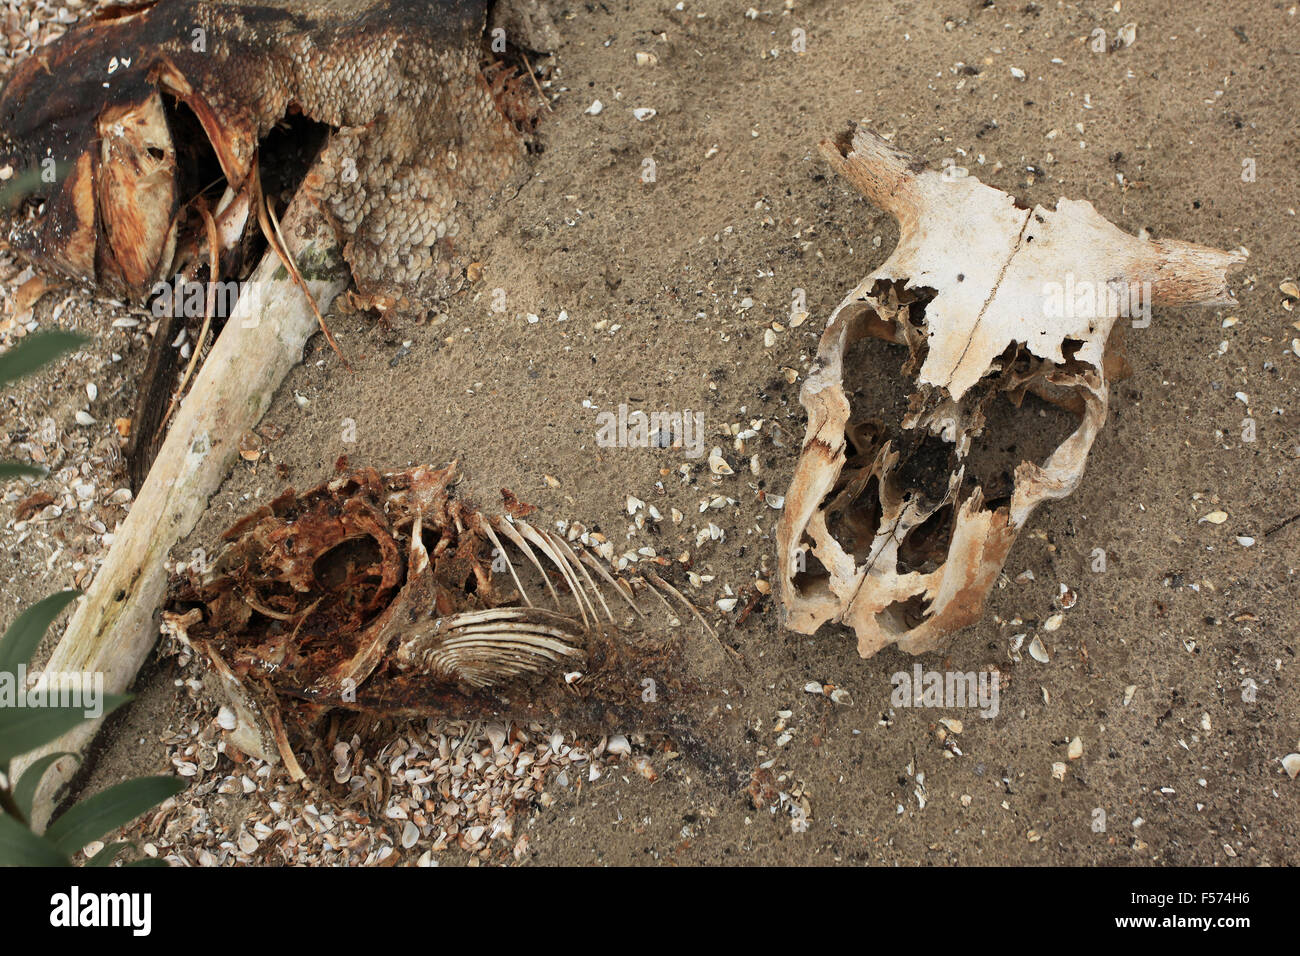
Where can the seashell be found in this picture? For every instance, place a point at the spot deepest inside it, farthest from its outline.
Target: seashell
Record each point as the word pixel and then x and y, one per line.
pixel 1291 764
pixel 717 464
pixel 1038 650
pixel 410 835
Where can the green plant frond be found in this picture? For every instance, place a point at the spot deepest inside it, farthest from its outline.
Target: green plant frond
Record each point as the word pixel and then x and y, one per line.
pixel 23 729
pixel 16 469
pixel 106 811
pixel 37 350
pixel 24 634
pixel 25 789
pixel 19 846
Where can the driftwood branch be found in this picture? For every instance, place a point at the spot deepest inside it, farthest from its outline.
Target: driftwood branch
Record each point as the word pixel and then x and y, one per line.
pixel 114 626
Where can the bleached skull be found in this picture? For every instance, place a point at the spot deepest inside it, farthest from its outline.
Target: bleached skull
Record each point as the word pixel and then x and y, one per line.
pixel 899 529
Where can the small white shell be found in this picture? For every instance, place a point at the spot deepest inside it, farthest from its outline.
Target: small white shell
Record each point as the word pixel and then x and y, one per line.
pixel 717 464
pixel 1038 651
pixel 1291 764
pixel 410 834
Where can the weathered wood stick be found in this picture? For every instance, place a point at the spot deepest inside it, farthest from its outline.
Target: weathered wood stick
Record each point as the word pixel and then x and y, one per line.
pixel 114 626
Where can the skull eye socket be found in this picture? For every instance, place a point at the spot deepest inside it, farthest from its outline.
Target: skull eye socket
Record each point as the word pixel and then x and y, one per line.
pixel 926 546
pixel 903 616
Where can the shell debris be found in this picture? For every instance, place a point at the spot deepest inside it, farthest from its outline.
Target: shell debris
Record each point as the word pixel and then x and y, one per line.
pixel 436 786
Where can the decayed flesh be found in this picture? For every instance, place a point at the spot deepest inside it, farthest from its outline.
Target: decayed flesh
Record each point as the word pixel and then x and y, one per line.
pixel 420 135
pixel 890 528
pixel 387 594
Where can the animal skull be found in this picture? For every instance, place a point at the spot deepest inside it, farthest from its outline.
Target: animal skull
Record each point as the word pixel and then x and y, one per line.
pixel 391 595
pixel 898 532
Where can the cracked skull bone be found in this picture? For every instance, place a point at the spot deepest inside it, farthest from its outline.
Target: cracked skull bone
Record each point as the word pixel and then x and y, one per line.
pixel 899 529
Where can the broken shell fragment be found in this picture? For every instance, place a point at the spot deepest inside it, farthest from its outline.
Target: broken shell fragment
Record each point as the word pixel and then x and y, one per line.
pixel 899 528
pixel 717 464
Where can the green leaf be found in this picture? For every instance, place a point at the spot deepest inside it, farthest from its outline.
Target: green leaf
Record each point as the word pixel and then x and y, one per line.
pixel 149 862
pixel 19 846
pixel 36 350
pixel 16 469
pixel 24 635
pixel 107 855
pixel 23 729
pixel 25 789
pixel 117 806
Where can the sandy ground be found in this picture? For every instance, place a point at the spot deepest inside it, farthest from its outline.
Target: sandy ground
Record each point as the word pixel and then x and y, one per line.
pixel 657 294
